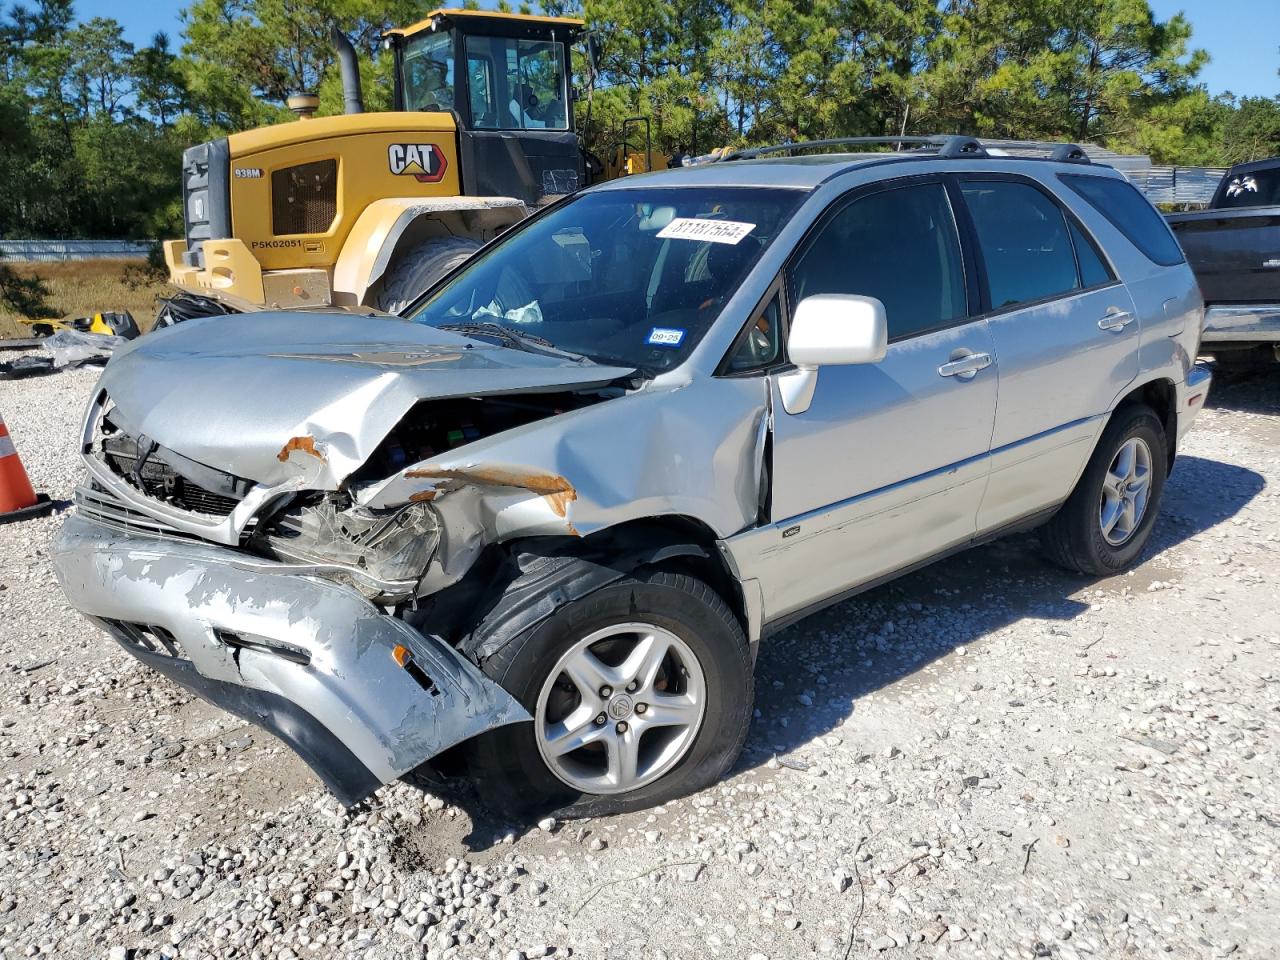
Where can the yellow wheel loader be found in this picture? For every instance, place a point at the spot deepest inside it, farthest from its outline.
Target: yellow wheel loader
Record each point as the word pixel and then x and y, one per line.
pixel 370 208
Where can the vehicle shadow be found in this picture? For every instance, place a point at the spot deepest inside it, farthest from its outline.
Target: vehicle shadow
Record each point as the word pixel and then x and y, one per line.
pixel 810 676
pixel 848 651
pixel 1250 391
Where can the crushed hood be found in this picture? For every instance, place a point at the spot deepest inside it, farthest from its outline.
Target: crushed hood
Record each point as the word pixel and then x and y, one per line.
pixel 306 397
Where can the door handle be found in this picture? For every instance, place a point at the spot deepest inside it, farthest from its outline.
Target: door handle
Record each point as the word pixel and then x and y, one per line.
pixel 966 367
pixel 1115 320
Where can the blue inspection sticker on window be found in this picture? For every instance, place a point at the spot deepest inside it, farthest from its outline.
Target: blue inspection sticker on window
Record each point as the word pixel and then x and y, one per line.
pixel 665 337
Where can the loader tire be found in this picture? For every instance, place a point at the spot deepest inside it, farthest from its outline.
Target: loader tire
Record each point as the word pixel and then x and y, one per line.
pixel 415 269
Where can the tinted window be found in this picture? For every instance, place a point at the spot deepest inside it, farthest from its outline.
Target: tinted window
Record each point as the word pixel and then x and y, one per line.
pixel 1131 214
pixel 1024 241
pixel 1261 188
pixel 899 246
pixel 630 276
pixel 1093 270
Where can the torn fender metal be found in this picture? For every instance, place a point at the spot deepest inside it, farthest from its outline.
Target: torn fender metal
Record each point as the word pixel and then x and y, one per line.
pixel 692 450
pixel 360 695
pixel 300 400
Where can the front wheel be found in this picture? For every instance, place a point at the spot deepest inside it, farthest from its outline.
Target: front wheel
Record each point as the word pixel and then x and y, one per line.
pixel 640 692
pixel 1106 521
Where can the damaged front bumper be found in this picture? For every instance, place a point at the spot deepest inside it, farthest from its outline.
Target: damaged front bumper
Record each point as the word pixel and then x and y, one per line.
pixel 361 696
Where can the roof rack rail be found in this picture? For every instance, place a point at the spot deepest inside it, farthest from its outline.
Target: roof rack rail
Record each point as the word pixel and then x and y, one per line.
pixel 947 145
pixel 1069 153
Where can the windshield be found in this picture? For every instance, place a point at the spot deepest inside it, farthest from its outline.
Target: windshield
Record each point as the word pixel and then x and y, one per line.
pixel 635 277
pixel 428 72
pixel 1258 189
pixel 516 84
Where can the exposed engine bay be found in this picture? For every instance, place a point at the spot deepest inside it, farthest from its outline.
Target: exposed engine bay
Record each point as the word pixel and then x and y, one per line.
pixel 433 427
pixel 382 551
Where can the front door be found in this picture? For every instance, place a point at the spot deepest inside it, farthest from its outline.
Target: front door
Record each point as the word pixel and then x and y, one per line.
pixel 887 465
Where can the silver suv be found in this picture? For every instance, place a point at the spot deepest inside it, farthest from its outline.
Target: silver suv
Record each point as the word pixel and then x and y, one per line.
pixel 552 510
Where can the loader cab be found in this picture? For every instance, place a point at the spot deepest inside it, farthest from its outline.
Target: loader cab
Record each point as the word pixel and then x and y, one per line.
pixel 507 79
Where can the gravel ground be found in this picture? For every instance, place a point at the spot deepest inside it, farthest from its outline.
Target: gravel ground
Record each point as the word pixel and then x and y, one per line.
pixel 989 758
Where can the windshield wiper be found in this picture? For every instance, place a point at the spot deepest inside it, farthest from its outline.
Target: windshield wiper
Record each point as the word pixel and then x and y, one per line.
pixel 529 342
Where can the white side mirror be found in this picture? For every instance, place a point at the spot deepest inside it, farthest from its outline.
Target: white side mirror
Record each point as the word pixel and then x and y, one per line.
pixel 830 328
pixel 837 328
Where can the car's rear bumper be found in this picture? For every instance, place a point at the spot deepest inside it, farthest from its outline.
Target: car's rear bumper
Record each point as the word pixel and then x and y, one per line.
pixel 1240 324
pixel 360 695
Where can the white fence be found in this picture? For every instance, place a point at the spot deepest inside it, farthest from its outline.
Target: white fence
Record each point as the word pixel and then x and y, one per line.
pixel 52 250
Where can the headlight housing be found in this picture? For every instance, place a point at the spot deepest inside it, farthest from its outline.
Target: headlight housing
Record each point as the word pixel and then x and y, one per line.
pixel 386 550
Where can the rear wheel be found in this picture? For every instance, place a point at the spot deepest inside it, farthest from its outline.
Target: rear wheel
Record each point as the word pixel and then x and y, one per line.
pixel 1106 521
pixel 641 692
pixel 415 269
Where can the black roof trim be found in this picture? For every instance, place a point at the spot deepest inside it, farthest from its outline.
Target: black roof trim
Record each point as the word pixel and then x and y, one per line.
pixel 944 146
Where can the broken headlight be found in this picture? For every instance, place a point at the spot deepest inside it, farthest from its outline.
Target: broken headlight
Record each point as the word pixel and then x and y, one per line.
pixel 390 546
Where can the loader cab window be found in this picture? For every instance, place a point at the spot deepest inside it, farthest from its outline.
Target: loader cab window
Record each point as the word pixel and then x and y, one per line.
pixel 517 84
pixel 428 72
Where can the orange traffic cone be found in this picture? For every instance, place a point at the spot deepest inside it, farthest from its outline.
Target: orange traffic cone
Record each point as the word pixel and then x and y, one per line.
pixel 17 500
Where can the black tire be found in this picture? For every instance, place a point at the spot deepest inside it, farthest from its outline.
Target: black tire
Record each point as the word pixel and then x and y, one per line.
pixel 1073 538
pixel 511 776
pixel 417 268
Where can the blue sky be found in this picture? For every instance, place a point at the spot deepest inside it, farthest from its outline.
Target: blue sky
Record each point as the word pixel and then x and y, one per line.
pixel 1242 36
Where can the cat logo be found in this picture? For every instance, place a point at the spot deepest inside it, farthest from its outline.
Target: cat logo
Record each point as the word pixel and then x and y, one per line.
pixel 424 162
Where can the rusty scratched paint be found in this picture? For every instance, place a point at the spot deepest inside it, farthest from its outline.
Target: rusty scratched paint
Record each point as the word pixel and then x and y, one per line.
pixel 556 490
pixel 306 444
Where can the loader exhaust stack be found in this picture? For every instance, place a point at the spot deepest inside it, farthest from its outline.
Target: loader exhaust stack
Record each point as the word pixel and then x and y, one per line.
pixel 351 95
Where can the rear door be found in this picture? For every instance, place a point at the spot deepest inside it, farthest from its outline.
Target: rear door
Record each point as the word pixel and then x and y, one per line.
pixel 1065 333
pixel 887 465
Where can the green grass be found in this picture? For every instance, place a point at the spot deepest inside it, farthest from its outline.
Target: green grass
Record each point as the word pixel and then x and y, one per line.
pixel 79 288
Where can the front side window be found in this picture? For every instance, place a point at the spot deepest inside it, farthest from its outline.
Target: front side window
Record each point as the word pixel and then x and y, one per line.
pixel 899 246
pixel 634 277
pixel 760 344
pixel 517 84
pixel 1024 241
pixel 428 72
pixel 1130 213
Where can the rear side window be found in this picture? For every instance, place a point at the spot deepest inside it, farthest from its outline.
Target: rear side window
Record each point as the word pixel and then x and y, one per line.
pixel 1094 271
pixel 1025 245
pixel 1131 214
pixel 899 246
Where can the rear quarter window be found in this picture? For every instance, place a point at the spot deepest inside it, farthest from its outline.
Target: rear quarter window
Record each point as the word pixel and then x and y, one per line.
pixel 1130 213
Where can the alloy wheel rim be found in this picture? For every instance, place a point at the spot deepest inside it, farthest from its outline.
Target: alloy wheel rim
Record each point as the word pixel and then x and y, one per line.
pixel 621 707
pixel 1126 491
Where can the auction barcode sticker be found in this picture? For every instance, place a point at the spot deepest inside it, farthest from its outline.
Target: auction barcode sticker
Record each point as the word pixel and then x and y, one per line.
pixel 717 231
